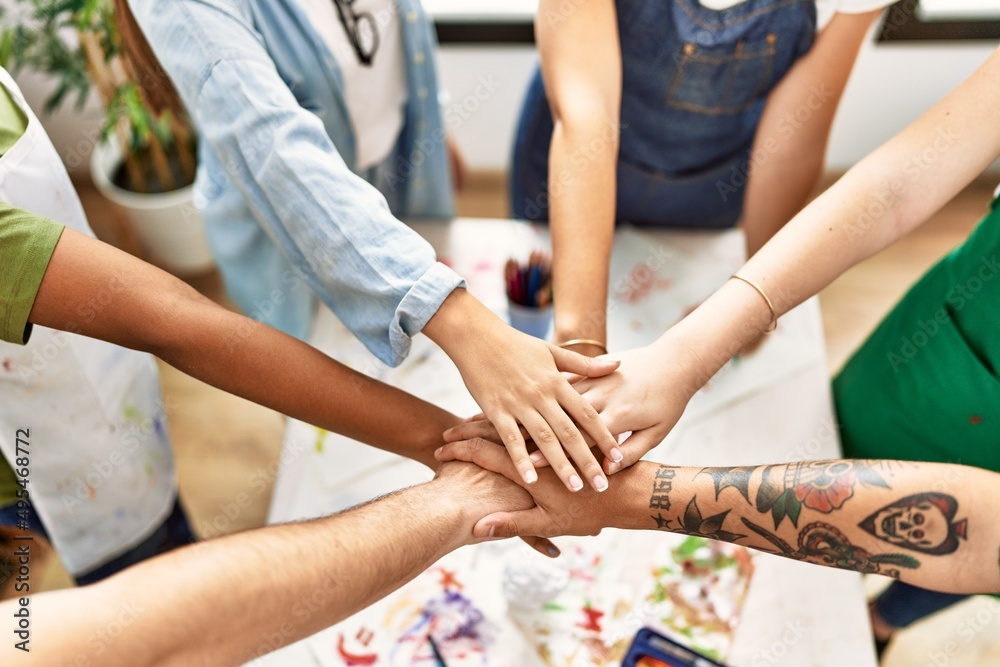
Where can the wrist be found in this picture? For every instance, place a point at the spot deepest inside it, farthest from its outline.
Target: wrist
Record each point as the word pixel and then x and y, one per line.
pixel 432 436
pixel 441 499
pixel 628 504
pixel 572 326
pixel 716 331
pixel 459 321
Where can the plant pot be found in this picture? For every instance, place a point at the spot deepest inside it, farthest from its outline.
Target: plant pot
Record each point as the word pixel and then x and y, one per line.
pixel 168 226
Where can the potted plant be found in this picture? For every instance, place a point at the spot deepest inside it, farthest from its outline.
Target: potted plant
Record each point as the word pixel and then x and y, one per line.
pixel 145 161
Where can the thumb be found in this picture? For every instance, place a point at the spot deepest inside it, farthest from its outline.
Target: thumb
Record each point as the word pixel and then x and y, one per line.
pixel 572 362
pixel 542 546
pixel 513 524
pixel 633 449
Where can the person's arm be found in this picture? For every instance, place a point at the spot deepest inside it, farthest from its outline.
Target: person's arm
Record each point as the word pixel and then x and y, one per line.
pixel 582 67
pixel 229 600
pixel 376 274
pixel 790 145
pixel 929 524
pixel 95 290
pixel 882 198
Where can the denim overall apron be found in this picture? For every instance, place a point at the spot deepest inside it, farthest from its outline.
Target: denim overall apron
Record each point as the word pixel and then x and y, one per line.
pixel 694 85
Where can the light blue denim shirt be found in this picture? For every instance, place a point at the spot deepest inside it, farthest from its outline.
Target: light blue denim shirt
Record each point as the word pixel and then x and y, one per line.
pixel 287 217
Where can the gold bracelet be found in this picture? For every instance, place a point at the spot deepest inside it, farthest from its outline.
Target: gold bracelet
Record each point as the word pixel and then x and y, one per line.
pixel 770 306
pixel 585 341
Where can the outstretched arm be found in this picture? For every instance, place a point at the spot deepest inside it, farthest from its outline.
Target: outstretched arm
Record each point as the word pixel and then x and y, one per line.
pixel 929 524
pixel 375 273
pixel 93 289
pixel 230 600
pixel 879 200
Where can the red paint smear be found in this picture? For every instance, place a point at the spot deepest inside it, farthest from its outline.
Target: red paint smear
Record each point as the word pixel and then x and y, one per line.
pixel 448 580
pixel 639 282
pixel 593 621
pixel 352 659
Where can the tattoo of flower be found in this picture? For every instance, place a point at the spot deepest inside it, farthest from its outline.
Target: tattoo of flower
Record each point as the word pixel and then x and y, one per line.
pixel 823 486
pixel 692 523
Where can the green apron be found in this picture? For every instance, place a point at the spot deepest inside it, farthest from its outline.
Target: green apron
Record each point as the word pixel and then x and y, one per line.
pixel 925 386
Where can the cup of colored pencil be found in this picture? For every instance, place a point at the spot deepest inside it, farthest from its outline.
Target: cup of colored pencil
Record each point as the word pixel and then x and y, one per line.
pixel 529 294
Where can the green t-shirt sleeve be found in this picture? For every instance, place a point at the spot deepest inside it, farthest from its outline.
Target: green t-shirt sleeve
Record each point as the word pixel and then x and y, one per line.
pixel 27 242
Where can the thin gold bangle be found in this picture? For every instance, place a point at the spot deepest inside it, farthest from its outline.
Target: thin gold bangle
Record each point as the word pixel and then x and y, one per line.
pixel 585 341
pixel 770 306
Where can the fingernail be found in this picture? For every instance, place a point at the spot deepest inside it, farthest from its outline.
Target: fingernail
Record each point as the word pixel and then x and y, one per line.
pixel 553 551
pixel 614 360
pixel 493 530
pixel 537 457
pixel 575 482
pixel 600 483
pixel 437 452
pixel 616 455
pixel 530 476
pixel 613 467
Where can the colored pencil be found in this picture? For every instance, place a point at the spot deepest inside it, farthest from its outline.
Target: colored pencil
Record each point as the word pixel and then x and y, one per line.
pixel 529 285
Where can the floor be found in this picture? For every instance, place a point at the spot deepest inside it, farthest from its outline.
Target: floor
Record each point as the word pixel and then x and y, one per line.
pixel 223 443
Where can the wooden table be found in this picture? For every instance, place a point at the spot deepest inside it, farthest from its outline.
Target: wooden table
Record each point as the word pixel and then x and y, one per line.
pixel 769 407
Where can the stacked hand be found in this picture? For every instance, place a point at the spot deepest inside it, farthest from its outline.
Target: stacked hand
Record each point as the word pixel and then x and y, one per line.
pixel 554 512
pixel 483 492
pixel 644 398
pixel 516 380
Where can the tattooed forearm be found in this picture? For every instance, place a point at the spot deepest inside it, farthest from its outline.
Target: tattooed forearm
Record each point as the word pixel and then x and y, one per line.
pixel 869 516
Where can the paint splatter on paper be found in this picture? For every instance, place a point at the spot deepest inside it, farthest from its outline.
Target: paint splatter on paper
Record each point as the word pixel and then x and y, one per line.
pixel 617 583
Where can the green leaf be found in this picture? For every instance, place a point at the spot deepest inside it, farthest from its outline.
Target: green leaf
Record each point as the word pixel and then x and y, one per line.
pixel 778 511
pixel 870 477
pixel 901 560
pixel 793 507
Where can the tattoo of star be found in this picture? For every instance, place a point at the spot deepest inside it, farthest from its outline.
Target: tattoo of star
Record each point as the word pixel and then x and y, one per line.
pixel 662 523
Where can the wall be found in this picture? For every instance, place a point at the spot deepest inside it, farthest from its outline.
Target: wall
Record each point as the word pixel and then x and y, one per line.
pixel 890 87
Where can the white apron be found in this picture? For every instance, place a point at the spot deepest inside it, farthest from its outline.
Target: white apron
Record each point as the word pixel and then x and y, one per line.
pixel 101 468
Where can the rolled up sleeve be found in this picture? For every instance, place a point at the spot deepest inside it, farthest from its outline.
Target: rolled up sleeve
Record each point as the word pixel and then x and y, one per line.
pixel 379 276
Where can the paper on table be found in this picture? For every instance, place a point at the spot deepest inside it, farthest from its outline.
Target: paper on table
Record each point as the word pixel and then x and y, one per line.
pixel 618 583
